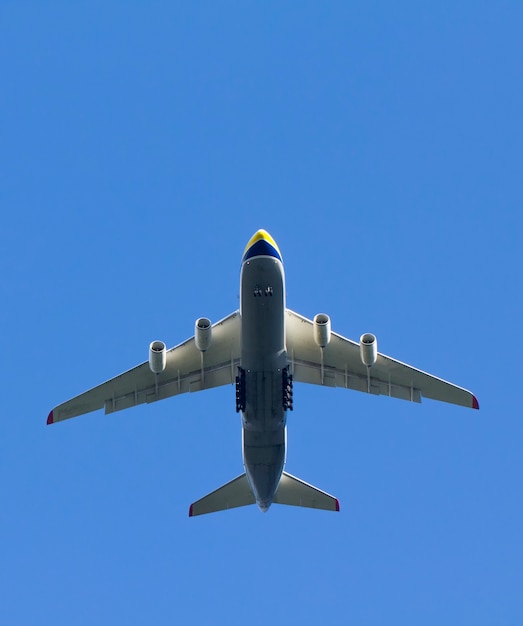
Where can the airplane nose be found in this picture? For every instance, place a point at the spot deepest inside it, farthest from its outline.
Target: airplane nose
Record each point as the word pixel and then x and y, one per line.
pixel 264 506
pixel 261 244
pixel 260 235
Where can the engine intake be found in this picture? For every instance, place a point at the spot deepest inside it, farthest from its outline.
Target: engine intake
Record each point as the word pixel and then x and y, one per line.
pixel 203 333
pixel 322 329
pixel 368 349
pixel 157 357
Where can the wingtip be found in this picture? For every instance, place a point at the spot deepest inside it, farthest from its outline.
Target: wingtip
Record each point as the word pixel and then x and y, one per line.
pixel 337 505
pixel 475 403
pixel 190 511
pixel 50 418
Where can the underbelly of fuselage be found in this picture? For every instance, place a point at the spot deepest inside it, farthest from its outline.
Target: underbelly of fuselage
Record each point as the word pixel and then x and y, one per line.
pixel 263 360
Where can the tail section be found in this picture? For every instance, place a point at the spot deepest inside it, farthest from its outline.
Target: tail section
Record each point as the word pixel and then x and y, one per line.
pixel 296 492
pixel 235 493
pixel 291 490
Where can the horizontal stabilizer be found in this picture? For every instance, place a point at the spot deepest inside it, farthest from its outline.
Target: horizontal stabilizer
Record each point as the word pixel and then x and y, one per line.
pixel 296 492
pixel 235 493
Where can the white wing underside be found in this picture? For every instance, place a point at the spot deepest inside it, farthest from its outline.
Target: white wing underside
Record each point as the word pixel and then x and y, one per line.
pixel 189 370
pixel 341 366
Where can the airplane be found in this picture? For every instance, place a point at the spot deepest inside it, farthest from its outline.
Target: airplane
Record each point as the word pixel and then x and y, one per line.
pixel 263 349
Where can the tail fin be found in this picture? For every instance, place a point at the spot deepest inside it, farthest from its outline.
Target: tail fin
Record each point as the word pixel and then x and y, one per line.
pixel 235 493
pixel 296 492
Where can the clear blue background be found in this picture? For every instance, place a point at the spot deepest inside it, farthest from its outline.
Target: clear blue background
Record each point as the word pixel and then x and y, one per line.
pixel 141 145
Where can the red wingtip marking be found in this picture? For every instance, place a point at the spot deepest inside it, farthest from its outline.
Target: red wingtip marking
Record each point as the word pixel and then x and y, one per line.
pixel 475 403
pixel 50 418
pixel 190 511
pixel 337 504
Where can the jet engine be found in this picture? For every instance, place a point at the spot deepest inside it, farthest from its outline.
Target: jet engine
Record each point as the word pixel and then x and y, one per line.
pixel 368 349
pixel 157 357
pixel 202 333
pixel 322 329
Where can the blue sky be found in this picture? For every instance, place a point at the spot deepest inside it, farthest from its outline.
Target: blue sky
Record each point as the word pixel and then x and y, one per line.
pixel 140 148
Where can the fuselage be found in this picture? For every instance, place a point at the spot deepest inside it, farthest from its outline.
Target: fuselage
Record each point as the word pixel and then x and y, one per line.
pixel 263 360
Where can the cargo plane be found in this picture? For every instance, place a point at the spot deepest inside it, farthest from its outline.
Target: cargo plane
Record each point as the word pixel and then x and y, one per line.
pixel 262 350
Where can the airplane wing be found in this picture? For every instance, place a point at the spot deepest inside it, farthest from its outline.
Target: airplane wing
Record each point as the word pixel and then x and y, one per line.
pixel 187 369
pixel 342 367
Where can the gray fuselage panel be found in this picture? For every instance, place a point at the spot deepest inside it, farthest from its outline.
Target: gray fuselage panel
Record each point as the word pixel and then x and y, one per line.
pixel 263 358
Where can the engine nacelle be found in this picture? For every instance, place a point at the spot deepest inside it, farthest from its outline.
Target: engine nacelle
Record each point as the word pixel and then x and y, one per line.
pixel 203 333
pixel 157 357
pixel 368 349
pixel 322 329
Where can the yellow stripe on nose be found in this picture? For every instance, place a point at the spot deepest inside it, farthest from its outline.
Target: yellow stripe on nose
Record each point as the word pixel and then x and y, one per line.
pixel 261 235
